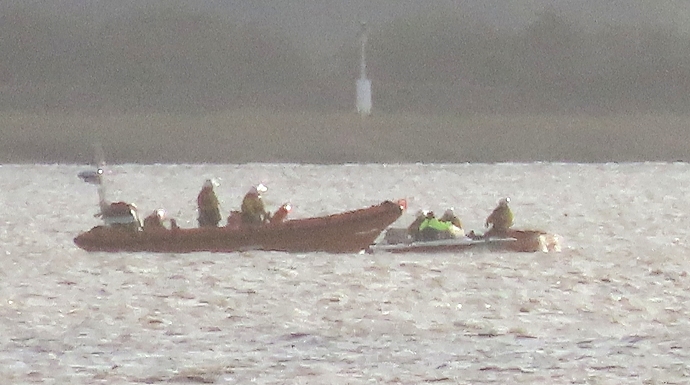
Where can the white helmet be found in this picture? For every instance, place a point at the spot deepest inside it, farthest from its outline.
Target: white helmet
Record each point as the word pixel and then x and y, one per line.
pixel 211 183
pixel 258 189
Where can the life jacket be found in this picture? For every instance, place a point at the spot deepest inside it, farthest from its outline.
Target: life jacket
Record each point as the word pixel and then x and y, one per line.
pixel 253 210
pixel 435 224
pixel 207 199
pixel 501 218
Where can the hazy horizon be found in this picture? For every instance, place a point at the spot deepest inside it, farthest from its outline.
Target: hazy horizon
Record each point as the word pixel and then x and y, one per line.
pixel 256 70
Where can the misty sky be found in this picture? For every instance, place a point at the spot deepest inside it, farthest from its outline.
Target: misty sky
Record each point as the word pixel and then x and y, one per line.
pixel 441 55
pixel 325 25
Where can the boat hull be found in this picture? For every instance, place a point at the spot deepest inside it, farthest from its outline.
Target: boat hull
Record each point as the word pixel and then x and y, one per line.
pixel 347 232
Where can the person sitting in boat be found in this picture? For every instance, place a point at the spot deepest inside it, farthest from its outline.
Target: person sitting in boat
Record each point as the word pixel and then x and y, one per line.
pixel 155 220
pixel 253 210
pixel 234 220
pixel 449 216
pixel 281 214
pixel 413 229
pixel 208 206
pixel 501 219
pixel 433 229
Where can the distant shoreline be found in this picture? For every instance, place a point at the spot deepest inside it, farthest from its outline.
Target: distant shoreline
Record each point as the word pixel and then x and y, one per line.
pixel 257 136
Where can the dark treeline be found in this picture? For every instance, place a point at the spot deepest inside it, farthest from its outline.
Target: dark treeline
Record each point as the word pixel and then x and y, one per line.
pixel 187 61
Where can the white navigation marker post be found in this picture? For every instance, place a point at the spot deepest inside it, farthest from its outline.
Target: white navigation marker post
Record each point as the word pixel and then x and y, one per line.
pixel 363 84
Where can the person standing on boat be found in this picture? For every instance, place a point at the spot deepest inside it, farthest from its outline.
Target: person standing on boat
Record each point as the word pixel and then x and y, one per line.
pixel 208 206
pixel 253 210
pixel 501 219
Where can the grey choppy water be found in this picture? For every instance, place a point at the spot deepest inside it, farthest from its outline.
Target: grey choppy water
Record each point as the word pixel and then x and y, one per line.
pixel 611 308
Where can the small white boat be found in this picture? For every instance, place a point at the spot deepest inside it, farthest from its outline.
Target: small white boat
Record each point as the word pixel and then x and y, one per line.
pixel 396 240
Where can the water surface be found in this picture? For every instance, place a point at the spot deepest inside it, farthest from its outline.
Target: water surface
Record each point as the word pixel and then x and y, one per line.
pixel 611 308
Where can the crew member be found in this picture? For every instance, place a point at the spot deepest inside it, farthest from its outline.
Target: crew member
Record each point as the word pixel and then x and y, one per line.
pixel 208 206
pixel 433 229
pixel 449 216
pixel 501 219
pixel 154 220
pixel 253 210
pixel 413 229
